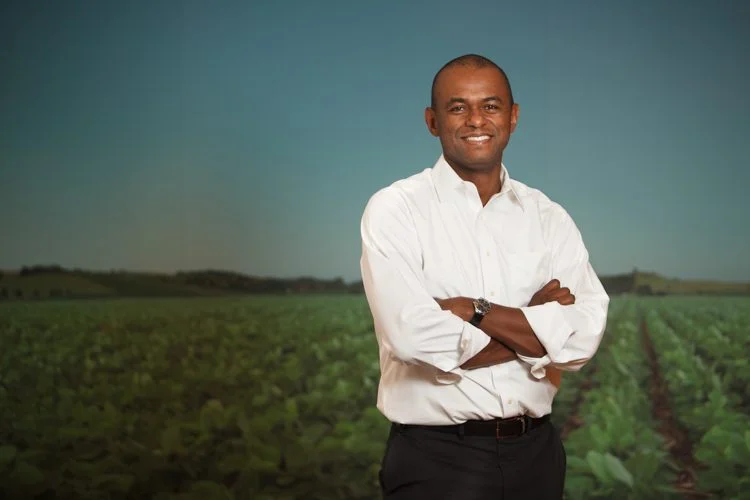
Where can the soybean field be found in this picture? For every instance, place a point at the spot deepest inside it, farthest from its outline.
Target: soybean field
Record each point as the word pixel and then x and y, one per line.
pixel 273 397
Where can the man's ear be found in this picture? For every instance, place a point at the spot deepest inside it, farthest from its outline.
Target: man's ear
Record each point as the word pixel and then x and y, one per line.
pixel 514 117
pixel 431 121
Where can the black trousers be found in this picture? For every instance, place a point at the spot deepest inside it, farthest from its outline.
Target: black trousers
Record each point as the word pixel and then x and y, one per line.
pixel 424 464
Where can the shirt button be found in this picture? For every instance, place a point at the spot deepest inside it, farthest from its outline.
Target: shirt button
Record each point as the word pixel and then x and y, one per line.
pixel 487 253
pixel 510 401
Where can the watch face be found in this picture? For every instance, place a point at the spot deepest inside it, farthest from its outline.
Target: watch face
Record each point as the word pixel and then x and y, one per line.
pixel 482 306
pixel 486 306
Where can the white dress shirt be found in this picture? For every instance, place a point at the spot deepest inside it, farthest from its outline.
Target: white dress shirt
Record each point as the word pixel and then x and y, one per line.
pixel 428 236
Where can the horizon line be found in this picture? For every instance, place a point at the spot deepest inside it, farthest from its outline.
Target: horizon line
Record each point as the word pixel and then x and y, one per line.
pixel 18 270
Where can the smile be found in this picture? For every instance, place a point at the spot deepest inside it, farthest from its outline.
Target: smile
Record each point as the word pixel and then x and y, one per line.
pixel 477 139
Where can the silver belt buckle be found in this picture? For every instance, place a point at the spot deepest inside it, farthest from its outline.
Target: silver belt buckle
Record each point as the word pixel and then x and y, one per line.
pixel 522 418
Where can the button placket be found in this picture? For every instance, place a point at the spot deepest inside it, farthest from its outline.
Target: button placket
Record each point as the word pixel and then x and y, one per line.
pixel 489 265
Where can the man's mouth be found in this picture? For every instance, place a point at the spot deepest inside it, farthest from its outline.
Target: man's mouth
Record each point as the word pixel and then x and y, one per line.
pixel 477 139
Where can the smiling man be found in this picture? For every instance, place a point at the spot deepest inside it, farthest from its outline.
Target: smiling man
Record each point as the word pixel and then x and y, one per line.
pixel 481 291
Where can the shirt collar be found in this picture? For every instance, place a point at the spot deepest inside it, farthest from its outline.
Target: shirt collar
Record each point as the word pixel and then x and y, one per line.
pixel 450 186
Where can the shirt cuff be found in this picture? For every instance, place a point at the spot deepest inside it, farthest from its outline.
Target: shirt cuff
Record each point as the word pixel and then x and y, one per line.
pixel 537 365
pixel 471 343
pixel 550 327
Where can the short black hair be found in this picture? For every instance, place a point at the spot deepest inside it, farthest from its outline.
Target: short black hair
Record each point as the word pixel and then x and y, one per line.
pixel 471 60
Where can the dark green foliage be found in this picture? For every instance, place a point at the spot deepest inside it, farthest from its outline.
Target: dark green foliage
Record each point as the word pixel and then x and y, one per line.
pixel 617 453
pixel 167 399
pixel 704 344
pixel 273 398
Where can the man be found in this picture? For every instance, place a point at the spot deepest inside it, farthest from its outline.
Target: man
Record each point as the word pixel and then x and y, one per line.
pixel 480 289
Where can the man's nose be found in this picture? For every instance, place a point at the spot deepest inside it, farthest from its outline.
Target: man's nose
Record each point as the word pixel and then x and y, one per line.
pixel 475 118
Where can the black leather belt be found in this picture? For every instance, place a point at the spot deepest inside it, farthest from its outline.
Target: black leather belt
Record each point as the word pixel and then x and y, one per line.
pixel 498 428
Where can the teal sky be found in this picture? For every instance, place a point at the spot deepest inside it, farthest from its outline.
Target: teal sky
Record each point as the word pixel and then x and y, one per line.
pixel 248 136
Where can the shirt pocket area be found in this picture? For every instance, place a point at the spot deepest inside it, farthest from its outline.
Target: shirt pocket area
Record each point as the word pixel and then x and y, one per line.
pixel 529 271
pixel 444 275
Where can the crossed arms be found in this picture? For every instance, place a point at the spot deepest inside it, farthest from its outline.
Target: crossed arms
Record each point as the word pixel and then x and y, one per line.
pixel 508 328
pixel 555 329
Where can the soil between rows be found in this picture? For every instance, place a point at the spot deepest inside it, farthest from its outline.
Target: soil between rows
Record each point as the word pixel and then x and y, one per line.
pixel 676 438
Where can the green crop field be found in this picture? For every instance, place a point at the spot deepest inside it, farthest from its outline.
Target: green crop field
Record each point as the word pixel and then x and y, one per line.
pixel 273 398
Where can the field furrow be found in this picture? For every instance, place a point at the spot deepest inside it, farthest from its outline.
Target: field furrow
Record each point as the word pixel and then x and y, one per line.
pixel 616 453
pixel 712 417
pixel 677 440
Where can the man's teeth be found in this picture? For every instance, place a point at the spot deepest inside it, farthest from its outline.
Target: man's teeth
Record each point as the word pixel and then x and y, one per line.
pixel 478 138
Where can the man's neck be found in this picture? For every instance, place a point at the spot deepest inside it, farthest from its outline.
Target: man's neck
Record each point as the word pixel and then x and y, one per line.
pixel 487 182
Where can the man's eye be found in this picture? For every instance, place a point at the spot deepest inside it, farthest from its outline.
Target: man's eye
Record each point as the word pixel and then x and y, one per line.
pixel 456 108
pixel 492 107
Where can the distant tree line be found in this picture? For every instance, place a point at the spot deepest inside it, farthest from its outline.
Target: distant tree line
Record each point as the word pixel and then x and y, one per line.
pixel 7 293
pixel 43 269
pixel 212 282
pixel 235 282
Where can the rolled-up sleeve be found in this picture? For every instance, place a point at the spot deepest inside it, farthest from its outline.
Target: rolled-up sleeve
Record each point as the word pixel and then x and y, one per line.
pixel 571 334
pixel 408 321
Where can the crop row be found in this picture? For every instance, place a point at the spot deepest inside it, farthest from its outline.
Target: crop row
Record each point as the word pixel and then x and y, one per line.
pixel 700 399
pixel 717 336
pixel 617 453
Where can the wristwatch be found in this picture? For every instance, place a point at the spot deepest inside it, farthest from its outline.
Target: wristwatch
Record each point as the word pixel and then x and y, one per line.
pixel 481 308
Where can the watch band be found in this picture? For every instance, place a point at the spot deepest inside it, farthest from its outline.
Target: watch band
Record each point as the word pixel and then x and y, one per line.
pixel 477 318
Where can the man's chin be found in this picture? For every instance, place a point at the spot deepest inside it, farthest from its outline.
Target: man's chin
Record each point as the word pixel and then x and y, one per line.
pixel 478 163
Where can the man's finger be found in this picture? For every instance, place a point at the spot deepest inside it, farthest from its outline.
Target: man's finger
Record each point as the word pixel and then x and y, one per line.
pixel 552 285
pixel 560 291
pixel 567 300
pixel 556 294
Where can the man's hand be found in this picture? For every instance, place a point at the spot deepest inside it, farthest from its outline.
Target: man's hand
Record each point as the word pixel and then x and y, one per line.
pixel 552 292
pixel 549 292
pixel 463 307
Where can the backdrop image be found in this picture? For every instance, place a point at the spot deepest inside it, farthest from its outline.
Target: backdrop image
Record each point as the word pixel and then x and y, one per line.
pixel 182 310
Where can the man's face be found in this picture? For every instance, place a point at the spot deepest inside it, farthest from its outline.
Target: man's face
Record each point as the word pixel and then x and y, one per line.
pixel 473 117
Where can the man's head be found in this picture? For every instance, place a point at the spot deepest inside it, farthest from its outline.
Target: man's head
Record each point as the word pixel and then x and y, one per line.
pixel 472 113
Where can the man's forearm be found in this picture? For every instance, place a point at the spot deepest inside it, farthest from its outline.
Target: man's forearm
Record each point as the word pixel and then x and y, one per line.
pixel 494 353
pixel 505 324
pixel 509 326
